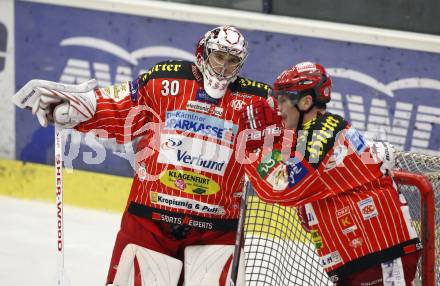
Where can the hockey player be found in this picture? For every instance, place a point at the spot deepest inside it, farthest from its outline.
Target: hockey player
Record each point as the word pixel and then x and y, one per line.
pixel 344 191
pixel 184 202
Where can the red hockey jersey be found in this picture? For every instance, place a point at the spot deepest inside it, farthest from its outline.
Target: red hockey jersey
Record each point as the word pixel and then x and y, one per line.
pixel 185 160
pixel 354 213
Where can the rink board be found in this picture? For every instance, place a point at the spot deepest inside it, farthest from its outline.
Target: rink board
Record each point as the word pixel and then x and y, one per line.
pixel 106 192
pixel 391 91
pixel 84 189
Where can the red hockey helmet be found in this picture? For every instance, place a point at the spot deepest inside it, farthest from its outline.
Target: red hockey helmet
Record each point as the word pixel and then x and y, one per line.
pixel 302 79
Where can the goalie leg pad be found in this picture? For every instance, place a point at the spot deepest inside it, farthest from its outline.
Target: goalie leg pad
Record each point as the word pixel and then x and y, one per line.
pixel 206 265
pixel 155 268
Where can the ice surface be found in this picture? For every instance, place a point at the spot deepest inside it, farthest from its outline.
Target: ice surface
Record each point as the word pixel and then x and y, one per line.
pixel 28 243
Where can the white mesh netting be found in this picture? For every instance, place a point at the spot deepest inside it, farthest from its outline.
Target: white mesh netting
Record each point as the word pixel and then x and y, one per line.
pixel 279 252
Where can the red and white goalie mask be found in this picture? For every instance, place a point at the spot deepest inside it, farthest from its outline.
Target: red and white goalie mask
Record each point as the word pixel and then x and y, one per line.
pixel 220 55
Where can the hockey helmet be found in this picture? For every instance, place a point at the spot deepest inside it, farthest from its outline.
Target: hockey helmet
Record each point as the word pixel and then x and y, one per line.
pixel 303 79
pixel 223 41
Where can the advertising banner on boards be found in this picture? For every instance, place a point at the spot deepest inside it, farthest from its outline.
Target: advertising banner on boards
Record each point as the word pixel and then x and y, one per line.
pixel 389 93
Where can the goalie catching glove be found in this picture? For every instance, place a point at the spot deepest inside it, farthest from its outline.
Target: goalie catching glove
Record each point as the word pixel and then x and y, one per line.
pixel 263 119
pixel 66 105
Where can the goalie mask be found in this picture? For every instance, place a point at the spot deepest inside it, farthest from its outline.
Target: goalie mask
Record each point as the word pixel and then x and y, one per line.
pixel 220 55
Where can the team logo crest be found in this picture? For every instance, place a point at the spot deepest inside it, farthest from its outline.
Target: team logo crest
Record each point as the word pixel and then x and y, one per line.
pixel 237 104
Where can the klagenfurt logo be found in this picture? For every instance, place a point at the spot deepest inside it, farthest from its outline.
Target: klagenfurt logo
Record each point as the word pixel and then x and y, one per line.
pixel 407 124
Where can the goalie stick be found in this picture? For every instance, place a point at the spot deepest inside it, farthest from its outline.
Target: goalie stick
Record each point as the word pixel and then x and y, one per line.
pixel 61 279
pixel 239 237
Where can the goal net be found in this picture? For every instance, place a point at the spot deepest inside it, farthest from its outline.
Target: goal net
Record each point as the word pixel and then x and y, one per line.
pixel 278 251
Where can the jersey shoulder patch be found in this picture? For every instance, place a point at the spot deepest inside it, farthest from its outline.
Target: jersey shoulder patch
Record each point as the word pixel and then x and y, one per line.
pixel 169 69
pixel 251 87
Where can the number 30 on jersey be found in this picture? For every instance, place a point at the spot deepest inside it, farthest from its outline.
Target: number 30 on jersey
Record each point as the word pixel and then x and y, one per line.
pixel 170 87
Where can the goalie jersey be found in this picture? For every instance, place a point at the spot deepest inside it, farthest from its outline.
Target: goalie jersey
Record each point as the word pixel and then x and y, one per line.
pixel 186 171
pixel 355 216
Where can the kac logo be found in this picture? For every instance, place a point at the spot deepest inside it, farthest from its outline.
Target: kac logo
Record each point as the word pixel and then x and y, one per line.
pixel 368 208
pixel 237 104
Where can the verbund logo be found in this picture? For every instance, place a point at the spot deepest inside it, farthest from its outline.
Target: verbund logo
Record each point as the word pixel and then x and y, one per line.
pixel 3 45
pixel 171 143
pixel 199 161
pixel 194 153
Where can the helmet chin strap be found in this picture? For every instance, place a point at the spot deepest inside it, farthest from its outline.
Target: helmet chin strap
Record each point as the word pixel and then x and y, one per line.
pixel 302 113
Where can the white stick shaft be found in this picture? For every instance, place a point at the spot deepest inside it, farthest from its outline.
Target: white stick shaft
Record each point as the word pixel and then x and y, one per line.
pixel 59 203
pixel 239 237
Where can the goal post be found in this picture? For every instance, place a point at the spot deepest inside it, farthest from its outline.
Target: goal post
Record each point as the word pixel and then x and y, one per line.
pixel 425 224
pixel 278 251
pixel 428 211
